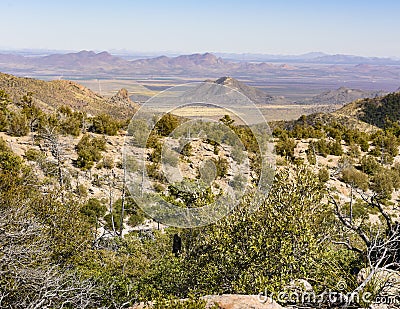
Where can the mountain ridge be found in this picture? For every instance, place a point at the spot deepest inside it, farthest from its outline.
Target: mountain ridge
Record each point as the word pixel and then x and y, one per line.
pixel 254 94
pixel 50 95
pixel 341 96
pixel 375 111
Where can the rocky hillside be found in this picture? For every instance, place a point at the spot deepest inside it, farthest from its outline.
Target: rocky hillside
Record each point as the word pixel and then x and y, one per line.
pixel 53 94
pixel 374 111
pixel 341 96
pixel 254 94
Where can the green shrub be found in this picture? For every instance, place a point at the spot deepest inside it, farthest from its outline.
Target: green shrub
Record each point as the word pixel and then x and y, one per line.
pixel 298 161
pixel 335 148
pixel 238 154
pixel 89 151
pixel 364 145
pixel 70 122
pixel 108 162
pixel 187 150
pixel 384 182
pixel 138 131
pixel 320 147
pixel 93 210
pixel 104 124
pixel 82 191
pixel 285 147
pixel 167 124
pixel 18 124
pixel 323 175
pixel 222 166
pixel 369 165
pixel 34 155
pixel 354 151
pixel 355 178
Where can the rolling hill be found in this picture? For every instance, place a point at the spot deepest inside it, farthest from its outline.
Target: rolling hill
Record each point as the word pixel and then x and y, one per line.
pixel 374 111
pixel 254 94
pixel 53 94
pixel 341 96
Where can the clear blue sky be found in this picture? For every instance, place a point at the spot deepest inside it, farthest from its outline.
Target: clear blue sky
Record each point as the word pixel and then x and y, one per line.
pixel 370 28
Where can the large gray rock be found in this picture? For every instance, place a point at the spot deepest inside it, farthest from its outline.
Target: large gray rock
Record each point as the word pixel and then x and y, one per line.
pixel 299 285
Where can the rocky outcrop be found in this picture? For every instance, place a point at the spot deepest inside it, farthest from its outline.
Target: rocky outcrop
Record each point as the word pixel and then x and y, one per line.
pixel 122 99
pixel 254 94
pixel 230 301
pixel 234 301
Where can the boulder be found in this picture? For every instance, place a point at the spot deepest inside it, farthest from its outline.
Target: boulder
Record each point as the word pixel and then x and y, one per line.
pixel 300 285
pixel 230 301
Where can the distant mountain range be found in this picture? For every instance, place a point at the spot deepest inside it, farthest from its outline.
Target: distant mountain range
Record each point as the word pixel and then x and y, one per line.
pixel 285 74
pixel 89 62
pixel 312 57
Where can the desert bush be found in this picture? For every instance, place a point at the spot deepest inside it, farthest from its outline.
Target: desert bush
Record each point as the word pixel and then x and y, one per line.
pixel 354 151
pixel 187 150
pixel 93 209
pixel 238 154
pixel 70 122
pixel 285 147
pixel 104 124
pixel 323 175
pixel 384 182
pixel 18 124
pixel 286 230
pixel 108 162
pixel 335 148
pixel 167 124
pixel 355 178
pixel 35 155
pixel 139 132
pixel 89 151
pixel 369 165
pixel 81 191
pixel 222 166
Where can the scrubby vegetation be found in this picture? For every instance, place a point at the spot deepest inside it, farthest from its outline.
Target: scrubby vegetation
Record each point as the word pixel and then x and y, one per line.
pixel 331 211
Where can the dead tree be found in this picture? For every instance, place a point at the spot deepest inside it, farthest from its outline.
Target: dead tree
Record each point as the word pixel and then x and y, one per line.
pixel 51 141
pixel 381 249
pixel 30 278
pixel 121 223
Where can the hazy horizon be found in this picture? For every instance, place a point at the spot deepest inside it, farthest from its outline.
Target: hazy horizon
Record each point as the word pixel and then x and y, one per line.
pixel 256 27
pixel 171 53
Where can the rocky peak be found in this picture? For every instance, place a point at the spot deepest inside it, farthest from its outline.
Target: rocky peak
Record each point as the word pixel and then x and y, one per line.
pixel 122 98
pixel 122 94
pixel 226 80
